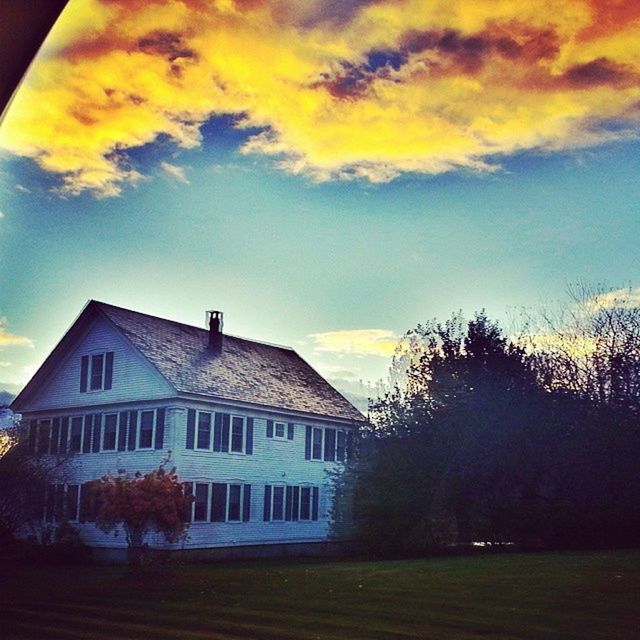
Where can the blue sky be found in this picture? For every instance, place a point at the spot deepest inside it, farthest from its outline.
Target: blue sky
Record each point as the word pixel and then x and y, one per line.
pixel 335 267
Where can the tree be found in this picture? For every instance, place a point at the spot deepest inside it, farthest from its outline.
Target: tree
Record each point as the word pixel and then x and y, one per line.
pixel 448 453
pixel 25 473
pixel 155 501
pixel 589 348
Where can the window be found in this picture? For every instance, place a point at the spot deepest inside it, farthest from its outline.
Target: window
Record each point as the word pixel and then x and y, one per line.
pixel 280 430
pixel 328 444
pixel 61 502
pixel 316 450
pixel 237 434
pixel 291 502
pixel 146 430
pixel 43 436
pixel 96 371
pixel 219 432
pixel 229 502
pixel 110 432
pixel 201 502
pixel 340 446
pixel 76 434
pixel 305 503
pixel 234 503
pixel 204 431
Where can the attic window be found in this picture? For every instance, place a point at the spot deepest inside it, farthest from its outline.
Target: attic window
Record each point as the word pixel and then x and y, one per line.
pixel 96 371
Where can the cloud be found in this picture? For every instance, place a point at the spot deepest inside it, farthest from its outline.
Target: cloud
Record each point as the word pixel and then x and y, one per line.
pixel 626 298
pixel 363 90
pixel 1 215
pixel 363 342
pixel 8 339
pixel 22 188
pixel 175 172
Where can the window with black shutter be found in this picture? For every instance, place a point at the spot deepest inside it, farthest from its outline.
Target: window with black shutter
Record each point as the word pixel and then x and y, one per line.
pixel 96 372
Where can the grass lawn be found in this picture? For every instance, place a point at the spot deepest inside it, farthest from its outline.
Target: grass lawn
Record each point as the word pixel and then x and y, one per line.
pixel 537 596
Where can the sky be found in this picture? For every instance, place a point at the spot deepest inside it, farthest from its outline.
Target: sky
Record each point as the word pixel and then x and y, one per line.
pixel 327 173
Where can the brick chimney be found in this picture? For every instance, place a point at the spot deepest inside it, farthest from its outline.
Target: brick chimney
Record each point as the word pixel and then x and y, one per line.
pixel 215 332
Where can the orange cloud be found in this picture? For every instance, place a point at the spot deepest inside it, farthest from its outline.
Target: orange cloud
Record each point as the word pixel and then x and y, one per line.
pixel 353 90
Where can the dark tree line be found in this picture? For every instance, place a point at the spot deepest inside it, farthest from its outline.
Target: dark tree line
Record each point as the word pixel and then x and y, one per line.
pixel 482 439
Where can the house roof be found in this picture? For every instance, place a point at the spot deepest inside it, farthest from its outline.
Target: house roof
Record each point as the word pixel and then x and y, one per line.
pixel 245 371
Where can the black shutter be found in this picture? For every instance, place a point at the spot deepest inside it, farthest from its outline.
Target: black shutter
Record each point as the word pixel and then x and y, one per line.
pixel 267 502
pixel 296 503
pixel 330 445
pixel 246 503
pixel 219 502
pixel 133 430
pixel 290 430
pixel 108 370
pixel 33 436
pixel 55 435
pixel 307 443
pixel 249 447
pixel 84 372
pixel 64 434
pixel 86 439
pixel 122 430
pixel 226 420
pixel 314 503
pixel 269 428
pixel 97 432
pixel 288 504
pixel 159 444
pixel 191 428
pixel 217 432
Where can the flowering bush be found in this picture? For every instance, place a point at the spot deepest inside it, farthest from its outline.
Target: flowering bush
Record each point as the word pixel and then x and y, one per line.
pixel 155 501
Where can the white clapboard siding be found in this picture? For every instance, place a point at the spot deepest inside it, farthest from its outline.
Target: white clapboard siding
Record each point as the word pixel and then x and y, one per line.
pixel 273 461
pixel 134 378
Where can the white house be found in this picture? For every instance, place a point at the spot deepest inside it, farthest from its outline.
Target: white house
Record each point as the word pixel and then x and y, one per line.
pixel 250 425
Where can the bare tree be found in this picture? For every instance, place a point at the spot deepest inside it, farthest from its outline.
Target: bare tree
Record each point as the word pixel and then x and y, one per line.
pixel 591 346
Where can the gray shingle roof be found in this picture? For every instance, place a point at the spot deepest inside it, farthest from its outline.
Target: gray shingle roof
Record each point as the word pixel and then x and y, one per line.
pixel 245 371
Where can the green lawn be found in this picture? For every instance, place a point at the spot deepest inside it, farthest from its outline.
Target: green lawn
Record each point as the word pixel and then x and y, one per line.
pixel 537 596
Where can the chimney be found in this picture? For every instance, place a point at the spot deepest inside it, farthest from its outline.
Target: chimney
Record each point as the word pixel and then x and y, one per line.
pixel 215 332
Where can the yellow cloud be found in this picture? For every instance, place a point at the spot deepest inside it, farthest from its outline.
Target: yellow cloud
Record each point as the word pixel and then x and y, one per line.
pixel 462 83
pixel 8 339
pixel 364 342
